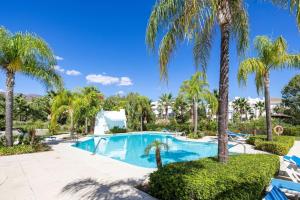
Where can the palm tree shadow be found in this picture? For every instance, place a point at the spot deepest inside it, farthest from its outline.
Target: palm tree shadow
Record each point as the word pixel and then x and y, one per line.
pixel 92 189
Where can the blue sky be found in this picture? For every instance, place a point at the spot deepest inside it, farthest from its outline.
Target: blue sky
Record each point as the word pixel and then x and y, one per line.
pixel 102 43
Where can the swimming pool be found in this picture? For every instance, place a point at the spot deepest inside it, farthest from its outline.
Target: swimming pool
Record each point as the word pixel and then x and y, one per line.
pixel 130 148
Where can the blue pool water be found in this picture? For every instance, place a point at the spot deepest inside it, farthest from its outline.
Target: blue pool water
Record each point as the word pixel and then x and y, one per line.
pixel 130 148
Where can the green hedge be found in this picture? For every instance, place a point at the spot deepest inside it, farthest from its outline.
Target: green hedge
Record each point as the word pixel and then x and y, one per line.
pixel 244 177
pixel 280 144
pixel 18 149
pixel 22 149
pixel 116 129
pixel 292 131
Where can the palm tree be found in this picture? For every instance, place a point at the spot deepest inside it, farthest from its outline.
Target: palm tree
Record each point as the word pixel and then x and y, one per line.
pixel 272 55
pixel 27 54
pixel 180 108
pixel 166 101
pixel 197 21
pixel 65 103
pixel 248 110
pixel 196 89
pixel 158 146
pixel 93 101
pixel 241 105
pixel 260 107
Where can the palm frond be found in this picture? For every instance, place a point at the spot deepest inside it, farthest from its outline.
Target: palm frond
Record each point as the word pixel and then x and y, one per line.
pixel 252 66
pixel 167 47
pixel 43 73
pixel 203 42
pixel 240 25
pixel 162 12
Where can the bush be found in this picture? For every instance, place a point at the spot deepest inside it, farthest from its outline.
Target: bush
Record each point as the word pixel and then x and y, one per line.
pixel 244 177
pixel 279 146
pixel 117 129
pixel 18 149
pixel 197 135
pixel 291 131
pixel 22 149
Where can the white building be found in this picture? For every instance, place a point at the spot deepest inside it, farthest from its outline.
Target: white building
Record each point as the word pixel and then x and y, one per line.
pixel 160 110
pixel 274 102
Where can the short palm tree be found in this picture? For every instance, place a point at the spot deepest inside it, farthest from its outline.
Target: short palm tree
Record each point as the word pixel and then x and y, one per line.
pixel 92 102
pixel 67 103
pixel 157 145
pixel 272 55
pixel 196 21
pixel 196 89
pixel 26 54
pixel 166 101
pixel 259 106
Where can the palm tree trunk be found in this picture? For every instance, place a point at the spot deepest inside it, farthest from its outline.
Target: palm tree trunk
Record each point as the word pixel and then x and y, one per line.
pixel 71 124
pixel 33 133
pixel 268 107
pixel 195 115
pixel 166 110
pixel 10 83
pixel 86 125
pixel 142 123
pixel 158 158
pixel 223 95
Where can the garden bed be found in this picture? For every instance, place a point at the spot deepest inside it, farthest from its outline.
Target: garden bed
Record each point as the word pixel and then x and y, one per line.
pixel 22 149
pixel 243 177
pixel 279 146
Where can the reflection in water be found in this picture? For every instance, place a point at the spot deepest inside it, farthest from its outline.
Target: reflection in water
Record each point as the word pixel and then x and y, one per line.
pixel 130 148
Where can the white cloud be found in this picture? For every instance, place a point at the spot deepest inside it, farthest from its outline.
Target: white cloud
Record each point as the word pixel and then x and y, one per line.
pixel 58 58
pixel 108 80
pixel 1 90
pixel 73 72
pixel 58 68
pixel 102 79
pixel 125 81
pixel 121 92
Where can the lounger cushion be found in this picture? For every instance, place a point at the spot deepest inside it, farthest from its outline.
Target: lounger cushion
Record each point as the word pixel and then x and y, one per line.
pixel 296 160
pixel 289 185
pixel 275 194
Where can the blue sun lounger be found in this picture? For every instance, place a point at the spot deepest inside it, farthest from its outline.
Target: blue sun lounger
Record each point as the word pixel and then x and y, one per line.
pixel 286 185
pixel 237 136
pixel 293 159
pixel 275 194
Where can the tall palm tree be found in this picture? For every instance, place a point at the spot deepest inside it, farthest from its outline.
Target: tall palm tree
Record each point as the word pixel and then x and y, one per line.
pixel 27 54
pixel 272 55
pixel 240 105
pixel 158 145
pixel 259 106
pixel 166 101
pixel 197 21
pixel 196 89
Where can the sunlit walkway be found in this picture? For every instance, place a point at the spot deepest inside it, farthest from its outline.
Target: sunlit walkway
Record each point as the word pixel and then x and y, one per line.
pixel 68 173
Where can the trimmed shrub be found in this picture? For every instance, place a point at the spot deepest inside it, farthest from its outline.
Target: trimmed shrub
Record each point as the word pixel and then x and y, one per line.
pixel 197 135
pixel 244 177
pixel 22 149
pixel 116 129
pixel 279 146
pixel 18 149
pixel 292 131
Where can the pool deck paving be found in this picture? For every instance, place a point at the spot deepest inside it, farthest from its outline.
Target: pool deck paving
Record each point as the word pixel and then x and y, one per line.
pixel 71 173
